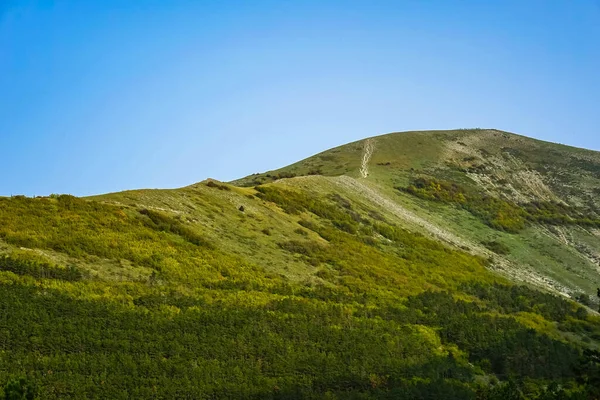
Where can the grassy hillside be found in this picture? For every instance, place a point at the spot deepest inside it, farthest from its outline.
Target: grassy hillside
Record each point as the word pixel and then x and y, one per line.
pixel 546 196
pixel 414 282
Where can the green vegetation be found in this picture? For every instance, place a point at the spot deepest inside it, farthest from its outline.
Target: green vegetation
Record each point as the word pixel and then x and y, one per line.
pixel 220 186
pixel 163 223
pixel 559 214
pixel 380 321
pixel 497 213
pixel 18 389
pixel 496 247
pixel 296 202
pixel 501 165
pixel 316 290
pixel 36 269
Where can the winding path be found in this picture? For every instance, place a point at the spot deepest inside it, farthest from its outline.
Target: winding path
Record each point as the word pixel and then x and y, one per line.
pixel 367 153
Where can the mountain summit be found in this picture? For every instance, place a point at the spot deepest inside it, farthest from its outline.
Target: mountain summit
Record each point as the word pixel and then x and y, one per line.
pixel 437 264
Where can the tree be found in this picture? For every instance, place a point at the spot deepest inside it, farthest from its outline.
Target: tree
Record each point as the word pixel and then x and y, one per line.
pixel 20 389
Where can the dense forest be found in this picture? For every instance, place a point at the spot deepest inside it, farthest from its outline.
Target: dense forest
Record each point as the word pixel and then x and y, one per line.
pixel 387 314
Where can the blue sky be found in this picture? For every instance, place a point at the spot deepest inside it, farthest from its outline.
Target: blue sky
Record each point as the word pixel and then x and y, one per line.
pixel 107 95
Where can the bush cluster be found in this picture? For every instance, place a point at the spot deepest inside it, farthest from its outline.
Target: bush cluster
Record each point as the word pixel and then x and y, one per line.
pixel 500 214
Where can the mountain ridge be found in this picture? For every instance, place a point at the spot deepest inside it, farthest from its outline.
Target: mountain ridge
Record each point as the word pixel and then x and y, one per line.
pixel 593 153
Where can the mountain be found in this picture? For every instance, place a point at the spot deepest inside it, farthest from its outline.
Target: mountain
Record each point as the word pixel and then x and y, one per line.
pixel 560 255
pixel 441 264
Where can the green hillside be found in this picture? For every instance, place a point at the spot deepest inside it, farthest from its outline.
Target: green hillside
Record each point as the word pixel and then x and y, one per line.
pixel 547 194
pixel 456 265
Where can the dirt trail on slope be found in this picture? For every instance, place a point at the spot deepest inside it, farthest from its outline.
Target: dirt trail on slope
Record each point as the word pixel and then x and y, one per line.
pixel 501 265
pixel 367 153
pixel 399 211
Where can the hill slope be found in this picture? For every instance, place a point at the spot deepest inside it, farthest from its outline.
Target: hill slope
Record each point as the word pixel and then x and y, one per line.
pixel 563 181
pixel 386 268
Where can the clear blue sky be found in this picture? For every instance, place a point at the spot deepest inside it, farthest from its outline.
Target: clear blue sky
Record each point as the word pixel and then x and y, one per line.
pixel 106 95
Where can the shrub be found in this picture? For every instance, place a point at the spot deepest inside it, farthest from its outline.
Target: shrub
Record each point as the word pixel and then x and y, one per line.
pixel 39 269
pixel 164 223
pixel 307 224
pixel 307 248
pixel 19 389
pixel 583 299
pixel 496 247
pixel 215 185
pixel 301 231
